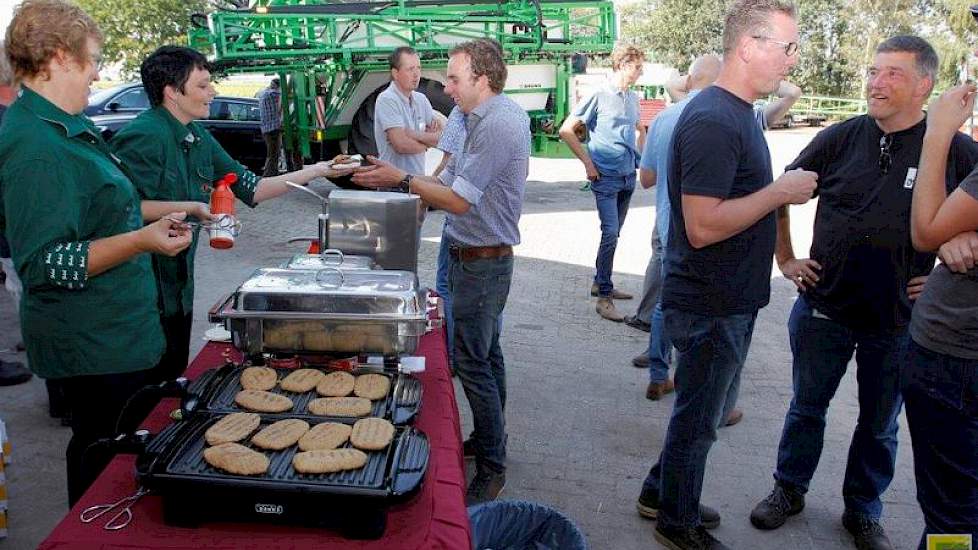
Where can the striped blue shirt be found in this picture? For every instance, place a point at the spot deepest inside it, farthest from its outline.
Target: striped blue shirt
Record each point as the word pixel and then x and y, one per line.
pixel 490 174
pixel 453 136
pixel 270 109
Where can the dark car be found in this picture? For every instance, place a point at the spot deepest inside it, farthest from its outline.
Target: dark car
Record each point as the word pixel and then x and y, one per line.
pixel 233 121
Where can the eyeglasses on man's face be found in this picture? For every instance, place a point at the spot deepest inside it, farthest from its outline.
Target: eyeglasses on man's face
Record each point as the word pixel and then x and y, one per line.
pixel 790 48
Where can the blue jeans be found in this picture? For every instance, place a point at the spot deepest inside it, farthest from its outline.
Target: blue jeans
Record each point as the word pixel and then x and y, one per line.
pixel 711 355
pixel 479 291
pixel 611 195
pixel 941 392
pixel 660 348
pixel 821 350
pixel 441 286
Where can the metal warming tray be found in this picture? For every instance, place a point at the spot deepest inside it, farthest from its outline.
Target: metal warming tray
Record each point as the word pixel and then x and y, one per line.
pixel 355 501
pixel 326 310
pixel 331 258
pixel 214 391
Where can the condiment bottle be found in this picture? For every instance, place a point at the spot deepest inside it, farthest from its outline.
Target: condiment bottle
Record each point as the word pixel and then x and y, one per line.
pixel 222 206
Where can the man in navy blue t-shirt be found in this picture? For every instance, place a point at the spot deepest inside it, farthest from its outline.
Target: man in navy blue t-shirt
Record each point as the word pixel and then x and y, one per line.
pixel 718 259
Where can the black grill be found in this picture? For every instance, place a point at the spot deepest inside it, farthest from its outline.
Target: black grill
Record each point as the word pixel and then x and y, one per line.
pixel 193 492
pixel 215 391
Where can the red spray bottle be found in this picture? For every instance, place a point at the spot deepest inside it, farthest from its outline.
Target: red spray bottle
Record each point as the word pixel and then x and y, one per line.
pixel 222 206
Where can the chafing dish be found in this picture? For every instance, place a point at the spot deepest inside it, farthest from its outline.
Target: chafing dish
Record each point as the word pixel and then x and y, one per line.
pixel 326 310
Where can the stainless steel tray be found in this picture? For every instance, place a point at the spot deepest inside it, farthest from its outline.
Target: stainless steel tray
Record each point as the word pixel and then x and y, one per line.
pixel 327 310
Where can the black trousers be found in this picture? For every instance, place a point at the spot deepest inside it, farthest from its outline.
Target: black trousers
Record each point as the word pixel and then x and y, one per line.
pixel 176 330
pixel 273 149
pixel 95 403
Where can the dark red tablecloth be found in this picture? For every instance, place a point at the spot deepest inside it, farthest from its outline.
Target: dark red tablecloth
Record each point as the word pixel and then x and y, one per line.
pixel 435 518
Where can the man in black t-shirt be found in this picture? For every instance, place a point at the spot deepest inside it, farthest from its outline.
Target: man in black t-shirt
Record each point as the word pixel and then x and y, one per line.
pixel 856 290
pixel 718 258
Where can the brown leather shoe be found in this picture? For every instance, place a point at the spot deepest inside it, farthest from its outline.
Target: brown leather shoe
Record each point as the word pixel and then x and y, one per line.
pixel 615 293
pixel 606 308
pixel 656 390
pixel 734 417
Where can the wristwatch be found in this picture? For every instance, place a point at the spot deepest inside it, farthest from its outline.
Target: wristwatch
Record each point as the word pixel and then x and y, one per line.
pixel 405 184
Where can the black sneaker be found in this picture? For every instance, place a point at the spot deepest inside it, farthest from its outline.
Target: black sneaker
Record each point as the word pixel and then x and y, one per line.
pixel 679 538
pixel 867 532
pixel 648 507
pixel 12 374
pixel 774 510
pixel 485 486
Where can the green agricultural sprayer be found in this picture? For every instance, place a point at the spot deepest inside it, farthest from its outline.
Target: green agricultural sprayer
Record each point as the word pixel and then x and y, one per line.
pixel 331 57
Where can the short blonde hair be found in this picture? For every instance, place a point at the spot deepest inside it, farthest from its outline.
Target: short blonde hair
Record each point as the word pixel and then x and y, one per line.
pixel 40 28
pixel 626 54
pixel 752 16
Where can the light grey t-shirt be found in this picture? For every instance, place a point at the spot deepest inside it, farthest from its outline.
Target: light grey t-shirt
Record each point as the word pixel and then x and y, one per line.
pixel 945 317
pixel 394 110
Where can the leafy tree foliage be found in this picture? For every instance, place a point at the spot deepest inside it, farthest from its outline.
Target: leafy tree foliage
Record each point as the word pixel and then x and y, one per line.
pixel 133 29
pixel 838 37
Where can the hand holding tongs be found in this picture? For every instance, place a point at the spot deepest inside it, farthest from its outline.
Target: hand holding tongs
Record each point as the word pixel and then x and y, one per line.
pixel 223 223
pixel 119 520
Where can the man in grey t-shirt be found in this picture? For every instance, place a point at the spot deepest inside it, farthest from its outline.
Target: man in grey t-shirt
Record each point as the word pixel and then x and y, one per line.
pixel 404 122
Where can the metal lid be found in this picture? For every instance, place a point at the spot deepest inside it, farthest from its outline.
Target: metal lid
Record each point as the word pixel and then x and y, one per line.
pixel 330 258
pixel 331 291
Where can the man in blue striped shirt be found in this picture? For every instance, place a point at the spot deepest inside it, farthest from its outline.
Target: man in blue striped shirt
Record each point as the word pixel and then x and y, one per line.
pixel 482 190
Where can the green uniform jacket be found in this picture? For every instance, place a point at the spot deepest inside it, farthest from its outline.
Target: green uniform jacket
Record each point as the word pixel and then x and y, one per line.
pixel 60 189
pixel 170 161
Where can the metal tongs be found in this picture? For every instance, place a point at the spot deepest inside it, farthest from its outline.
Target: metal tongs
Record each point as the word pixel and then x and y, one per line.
pixel 121 519
pixel 223 223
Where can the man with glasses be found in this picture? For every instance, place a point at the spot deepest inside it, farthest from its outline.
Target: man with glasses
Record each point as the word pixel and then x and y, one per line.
pixel 857 288
pixel 718 260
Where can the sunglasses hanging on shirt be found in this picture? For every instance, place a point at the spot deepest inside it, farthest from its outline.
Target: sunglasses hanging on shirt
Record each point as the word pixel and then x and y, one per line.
pixel 885 159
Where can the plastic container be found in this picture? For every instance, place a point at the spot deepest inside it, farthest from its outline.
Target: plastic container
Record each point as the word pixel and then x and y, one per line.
pixel 522 525
pixel 222 205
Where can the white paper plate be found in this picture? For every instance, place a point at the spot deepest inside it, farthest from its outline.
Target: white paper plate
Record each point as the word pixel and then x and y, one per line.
pixel 217 334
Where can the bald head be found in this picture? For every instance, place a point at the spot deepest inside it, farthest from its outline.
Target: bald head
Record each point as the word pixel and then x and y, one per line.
pixel 704 71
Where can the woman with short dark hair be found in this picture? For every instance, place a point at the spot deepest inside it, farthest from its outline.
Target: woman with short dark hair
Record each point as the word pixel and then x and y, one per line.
pixel 173 158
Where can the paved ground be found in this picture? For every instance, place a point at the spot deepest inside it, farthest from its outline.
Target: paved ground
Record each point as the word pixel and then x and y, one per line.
pixel 582 435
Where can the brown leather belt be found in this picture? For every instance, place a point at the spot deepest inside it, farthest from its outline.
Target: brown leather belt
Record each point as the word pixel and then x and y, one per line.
pixel 469 253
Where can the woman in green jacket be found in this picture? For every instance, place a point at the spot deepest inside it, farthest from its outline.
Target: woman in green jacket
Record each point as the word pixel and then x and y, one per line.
pixel 75 226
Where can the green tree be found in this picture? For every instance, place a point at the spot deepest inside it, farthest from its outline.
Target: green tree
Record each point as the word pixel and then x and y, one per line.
pixel 133 29
pixel 823 68
pixel 675 31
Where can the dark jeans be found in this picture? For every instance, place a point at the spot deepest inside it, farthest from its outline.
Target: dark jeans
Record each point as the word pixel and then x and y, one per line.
pixel 441 285
pixel 711 355
pixel 611 195
pixel 176 330
pixel 821 349
pixel 941 392
pixel 94 403
pixel 273 150
pixel 479 289
pixel 660 348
